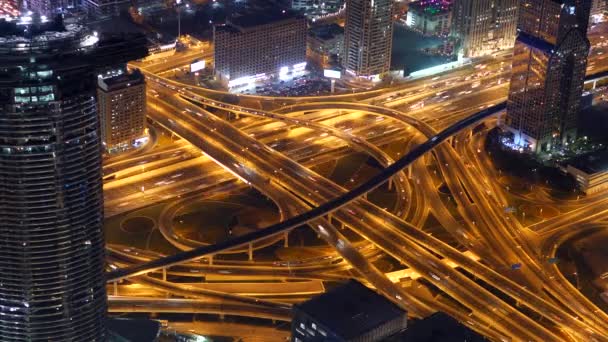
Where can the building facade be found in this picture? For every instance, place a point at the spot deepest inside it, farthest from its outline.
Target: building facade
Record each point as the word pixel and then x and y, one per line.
pixel 52 244
pixel 484 26
pixel 368 38
pixel 548 73
pixel 52 263
pixel 121 101
pixel 259 45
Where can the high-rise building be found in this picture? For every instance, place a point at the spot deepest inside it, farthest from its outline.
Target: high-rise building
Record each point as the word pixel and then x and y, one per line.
pixel 368 38
pixel 549 65
pixel 121 100
pixel 259 45
pixel 484 26
pixel 51 241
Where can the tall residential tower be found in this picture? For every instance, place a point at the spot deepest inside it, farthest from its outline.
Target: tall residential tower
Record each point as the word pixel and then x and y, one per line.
pixel 484 26
pixel 549 65
pixel 368 38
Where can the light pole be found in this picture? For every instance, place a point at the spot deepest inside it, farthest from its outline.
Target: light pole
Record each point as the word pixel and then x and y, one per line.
pixel 179 18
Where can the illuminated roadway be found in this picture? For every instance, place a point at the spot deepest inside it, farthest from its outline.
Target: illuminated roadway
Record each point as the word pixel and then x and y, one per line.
pixel 592 328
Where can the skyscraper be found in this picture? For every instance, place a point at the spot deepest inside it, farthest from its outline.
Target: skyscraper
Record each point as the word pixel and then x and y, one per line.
pixel 52 285
pixel 549 65
pixel 484 26
pixel 368 38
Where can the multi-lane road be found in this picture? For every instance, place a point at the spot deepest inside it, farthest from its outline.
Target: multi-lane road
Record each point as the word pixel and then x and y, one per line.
pixel 274 150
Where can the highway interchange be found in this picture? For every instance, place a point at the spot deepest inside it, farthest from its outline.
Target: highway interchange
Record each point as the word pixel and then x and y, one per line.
pixel 438 124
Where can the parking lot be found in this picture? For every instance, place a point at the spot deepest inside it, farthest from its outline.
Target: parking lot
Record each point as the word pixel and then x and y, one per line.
pixel 297 86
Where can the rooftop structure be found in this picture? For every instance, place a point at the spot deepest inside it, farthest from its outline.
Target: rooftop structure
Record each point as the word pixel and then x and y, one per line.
pixel 347 313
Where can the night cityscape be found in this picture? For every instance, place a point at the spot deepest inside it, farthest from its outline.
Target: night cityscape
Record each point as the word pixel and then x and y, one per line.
pixel 303 170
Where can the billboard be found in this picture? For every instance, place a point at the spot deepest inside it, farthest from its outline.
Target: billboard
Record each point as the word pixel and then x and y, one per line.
pixel 197 65
pixel 332 73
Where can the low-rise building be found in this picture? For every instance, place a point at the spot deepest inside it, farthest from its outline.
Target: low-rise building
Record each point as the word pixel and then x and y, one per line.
pixel 122 110
pixel 350 312
pixel 256 45
pixel 325 44
pixel 590 171
pixel 430 17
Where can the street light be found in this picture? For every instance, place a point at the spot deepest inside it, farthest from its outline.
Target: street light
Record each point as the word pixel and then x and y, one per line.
pixel 179 19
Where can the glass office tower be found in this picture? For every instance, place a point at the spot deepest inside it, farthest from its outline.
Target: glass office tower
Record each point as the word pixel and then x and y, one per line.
pixel 549 65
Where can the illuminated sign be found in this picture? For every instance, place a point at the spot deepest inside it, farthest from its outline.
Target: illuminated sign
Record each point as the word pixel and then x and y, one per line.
pixel 299 66
pixel 197 65
pixel 332 73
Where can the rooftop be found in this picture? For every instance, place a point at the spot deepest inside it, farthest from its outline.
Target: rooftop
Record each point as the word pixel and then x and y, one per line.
pixel 327 32
pixel 131 330
pixel 591 163
pixel 431 7
pixel 351 310
pixel 438 327
pixel 259 18
pixel 122 80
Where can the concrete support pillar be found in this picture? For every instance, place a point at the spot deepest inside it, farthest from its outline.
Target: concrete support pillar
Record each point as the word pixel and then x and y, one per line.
pixel 409 171
pixel 390 184
pixel 286 239
pixel 164 274
pixel 116 288
pixel 594 85
pixel 211 259
pixel 250 251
